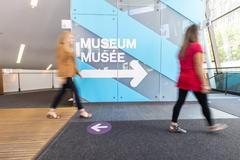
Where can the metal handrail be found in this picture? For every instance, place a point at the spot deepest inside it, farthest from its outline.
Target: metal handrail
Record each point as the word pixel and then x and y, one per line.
pixel 225 14
pixel 223 68
pixel 215 76
pixel 226 77
pixel 218 73
pixel 30 72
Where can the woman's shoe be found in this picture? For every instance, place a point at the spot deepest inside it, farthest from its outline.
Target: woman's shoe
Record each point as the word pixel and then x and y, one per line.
pixel 53 115
pixel 85 114
pixel 176 129
pixel 217 127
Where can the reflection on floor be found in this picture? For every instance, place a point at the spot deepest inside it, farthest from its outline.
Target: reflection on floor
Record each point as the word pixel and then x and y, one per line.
pixel 33 99
pixel 226 103
pixel 24 132
pixel 146 111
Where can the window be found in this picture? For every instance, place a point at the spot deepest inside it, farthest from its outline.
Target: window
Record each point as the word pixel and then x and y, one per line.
pixel 226 31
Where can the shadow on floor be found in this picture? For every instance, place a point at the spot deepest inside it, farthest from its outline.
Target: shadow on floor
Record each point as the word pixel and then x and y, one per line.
pixel 33 99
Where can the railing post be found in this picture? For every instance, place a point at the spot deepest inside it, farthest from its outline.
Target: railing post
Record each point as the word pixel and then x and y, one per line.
pixel 1 82
pixel 19 84
pixel 226 83
pixel 52 80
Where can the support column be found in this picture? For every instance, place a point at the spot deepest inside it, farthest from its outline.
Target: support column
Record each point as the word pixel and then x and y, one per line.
pixel 208 31
pixel 208 60
pixel 212 38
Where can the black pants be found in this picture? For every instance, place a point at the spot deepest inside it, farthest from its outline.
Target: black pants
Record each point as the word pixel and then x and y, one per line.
pixel 202 99
pixel 68 84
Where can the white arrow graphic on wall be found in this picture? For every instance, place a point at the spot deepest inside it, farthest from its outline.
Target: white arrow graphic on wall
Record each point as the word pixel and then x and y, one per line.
pixel 137 73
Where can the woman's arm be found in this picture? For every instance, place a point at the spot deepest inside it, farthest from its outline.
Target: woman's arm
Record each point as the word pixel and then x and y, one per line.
pixel 198 61
pixel 68 53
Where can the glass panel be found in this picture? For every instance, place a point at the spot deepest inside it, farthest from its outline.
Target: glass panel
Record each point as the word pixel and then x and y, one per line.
pixel 228 81
pixel 93 7
pixel 56 81
pixel 130 3
pixel 93 34
pixel 233 82
pixel 148 34
pixel 10 82
pixel 220 7
pixel 140 21
pixel 227 35
pixel 173 26
pixel 220 82
pixel 33 81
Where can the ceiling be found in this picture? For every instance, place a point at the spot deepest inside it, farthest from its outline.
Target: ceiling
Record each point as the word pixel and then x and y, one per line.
pixel 38 28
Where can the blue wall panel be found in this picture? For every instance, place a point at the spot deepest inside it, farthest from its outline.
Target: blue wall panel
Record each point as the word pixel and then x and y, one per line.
pixel 91 7
pixel 192 9
pixel 130 28
pixel 103 89
pixel 104 20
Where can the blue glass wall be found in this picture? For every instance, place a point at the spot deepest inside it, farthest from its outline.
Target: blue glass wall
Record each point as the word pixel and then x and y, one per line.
pixel 128 49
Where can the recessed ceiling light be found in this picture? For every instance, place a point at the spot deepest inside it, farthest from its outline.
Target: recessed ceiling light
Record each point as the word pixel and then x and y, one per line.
pixel 34 3
pixel 50 65
pixel 20 53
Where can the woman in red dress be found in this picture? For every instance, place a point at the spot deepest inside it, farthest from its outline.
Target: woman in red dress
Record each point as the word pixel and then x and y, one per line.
pixel 192 78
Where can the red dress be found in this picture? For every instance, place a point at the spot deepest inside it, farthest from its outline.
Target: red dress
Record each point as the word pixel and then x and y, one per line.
pixel 188 79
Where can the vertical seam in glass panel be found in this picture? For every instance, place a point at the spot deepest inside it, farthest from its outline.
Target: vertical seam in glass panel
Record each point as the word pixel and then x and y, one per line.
pixel 117 53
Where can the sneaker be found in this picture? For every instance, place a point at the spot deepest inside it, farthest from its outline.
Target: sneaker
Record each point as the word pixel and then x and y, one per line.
pixel 176 129
pixel 217 127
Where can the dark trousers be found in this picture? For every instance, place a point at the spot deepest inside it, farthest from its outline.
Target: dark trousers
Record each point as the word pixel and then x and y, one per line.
pixel 202 100
pixel 68 84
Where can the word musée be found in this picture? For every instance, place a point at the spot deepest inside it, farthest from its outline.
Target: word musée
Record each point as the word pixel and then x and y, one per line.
pixel 102 57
